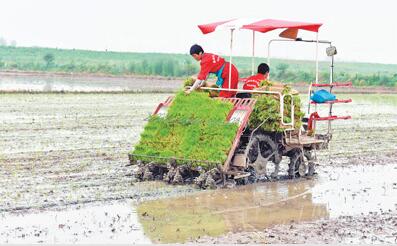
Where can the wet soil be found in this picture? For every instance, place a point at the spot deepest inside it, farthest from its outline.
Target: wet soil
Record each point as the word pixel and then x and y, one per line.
pixel 85 223
pixel 69 149
pixel 375 228
pixel 360 197
pixel 336 195
pixel 66 152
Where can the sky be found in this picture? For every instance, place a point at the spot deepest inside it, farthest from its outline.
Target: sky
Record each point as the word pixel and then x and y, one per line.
pixel 363 31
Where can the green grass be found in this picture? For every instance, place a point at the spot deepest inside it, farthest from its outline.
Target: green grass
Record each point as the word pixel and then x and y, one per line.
pixel 180 65
pixel 195 128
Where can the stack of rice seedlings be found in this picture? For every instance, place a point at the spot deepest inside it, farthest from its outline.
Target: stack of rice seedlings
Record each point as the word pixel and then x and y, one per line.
pixel 212 93
pixel 188 144
pixel 267 108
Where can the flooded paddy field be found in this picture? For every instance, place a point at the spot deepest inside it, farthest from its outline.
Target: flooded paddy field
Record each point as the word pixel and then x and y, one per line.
pixel 59 82
pixel 40 82
pixel 64 172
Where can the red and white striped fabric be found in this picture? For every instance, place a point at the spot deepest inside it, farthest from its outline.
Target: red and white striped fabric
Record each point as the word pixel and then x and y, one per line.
pixel 261 25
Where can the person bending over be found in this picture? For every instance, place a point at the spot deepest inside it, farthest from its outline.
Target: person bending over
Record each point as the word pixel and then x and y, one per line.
pixel 211 63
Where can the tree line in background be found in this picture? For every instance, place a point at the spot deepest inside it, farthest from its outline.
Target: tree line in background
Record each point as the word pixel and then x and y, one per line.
pixel 173 67
pixel 165 67
pixel 282 73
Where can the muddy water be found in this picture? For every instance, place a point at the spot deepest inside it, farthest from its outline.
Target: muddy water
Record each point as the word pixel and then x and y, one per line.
pixel 58 83
pixel 337 192
pixel 79 224
pixel 358 190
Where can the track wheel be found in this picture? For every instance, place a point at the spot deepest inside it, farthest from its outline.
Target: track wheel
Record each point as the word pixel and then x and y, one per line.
pixel 262 149
pixel 250 179
pixel 310 158
pixel 297 167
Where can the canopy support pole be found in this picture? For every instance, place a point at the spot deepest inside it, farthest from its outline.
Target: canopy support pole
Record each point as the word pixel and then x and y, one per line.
pixel 231 53
pixel 310 87
pixel 331 80
pixel 253 53
pixel 331 74
pixel 268 58
pixel 317 57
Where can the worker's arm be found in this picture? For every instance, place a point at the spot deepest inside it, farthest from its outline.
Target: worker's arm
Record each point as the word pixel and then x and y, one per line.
pixel 205 68
pixel 198 83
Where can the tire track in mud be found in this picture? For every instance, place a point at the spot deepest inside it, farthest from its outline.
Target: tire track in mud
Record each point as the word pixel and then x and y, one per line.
pixel 74 152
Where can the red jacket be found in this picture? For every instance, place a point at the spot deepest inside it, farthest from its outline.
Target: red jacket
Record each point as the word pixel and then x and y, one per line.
pixel 209 63
pixel 253 81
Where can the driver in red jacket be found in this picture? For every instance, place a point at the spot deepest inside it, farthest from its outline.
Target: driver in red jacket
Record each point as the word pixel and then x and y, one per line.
pixel 211 63
pixel 254 81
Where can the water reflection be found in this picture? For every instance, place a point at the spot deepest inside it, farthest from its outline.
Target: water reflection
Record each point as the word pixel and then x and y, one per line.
pixel 337 191
pixel 46 85
pixel 246 208
pixel 58 83
pixel 92 223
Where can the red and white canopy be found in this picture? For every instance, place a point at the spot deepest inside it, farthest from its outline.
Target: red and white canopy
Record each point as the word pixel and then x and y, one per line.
pixel 264 25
